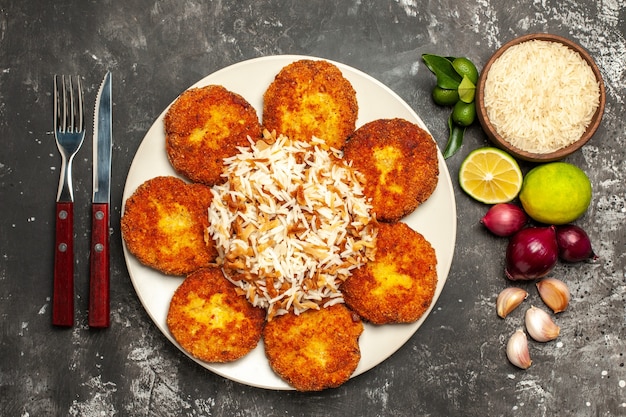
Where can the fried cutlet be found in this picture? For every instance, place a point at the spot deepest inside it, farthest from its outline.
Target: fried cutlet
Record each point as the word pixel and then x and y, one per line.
pixel 165 223
pixel 315 350
pixel 211 321
pixel 399 162
pixel 399 285
pixel 311 98
pixel 205 125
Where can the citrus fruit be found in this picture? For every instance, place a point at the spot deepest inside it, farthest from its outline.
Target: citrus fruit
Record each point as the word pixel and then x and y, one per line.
pixel 464 114
pixel 445 96
pixel 490 175
pixel 465 67
pixel 467 90
pixel 555 193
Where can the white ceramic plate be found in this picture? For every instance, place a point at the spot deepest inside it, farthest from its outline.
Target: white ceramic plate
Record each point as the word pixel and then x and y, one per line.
pixel 435 219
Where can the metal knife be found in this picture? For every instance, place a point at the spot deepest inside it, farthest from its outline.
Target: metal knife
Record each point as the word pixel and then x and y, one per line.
pixel 99 305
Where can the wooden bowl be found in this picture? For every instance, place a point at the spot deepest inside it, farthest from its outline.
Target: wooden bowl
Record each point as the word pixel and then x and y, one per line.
pixel 499 141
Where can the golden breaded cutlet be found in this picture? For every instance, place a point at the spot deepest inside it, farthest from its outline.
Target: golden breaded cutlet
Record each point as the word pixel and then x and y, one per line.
pixel 399 162
pixel 205 125
pixel 399 284
pixel 315 350
pixel 311 98
pixel 164 225
pixel 211 321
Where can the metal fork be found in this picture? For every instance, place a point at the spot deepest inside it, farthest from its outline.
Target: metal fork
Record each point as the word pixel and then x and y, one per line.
pixel 69 132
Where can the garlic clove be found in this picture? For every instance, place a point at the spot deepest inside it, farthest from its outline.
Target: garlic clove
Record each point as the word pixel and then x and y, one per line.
pixel 517 350
pixel 554 293
pixel 509 299
pixel 540 326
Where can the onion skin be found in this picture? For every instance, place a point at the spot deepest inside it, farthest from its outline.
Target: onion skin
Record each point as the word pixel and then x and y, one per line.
pixel 574 244
pixel 531 253
pixel 504 219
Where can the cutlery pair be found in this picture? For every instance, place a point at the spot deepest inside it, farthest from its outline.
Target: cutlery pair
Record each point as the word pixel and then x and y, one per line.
pixel 69 132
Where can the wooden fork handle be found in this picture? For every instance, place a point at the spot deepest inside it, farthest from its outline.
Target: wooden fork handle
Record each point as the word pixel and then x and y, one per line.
pixel 63 284
pixel 99 308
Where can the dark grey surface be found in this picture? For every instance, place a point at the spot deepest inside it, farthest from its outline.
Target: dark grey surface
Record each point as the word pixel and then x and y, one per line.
pixel 454 365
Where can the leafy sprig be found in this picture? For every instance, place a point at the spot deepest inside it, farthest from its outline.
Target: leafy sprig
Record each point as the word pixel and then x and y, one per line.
pixel 458 74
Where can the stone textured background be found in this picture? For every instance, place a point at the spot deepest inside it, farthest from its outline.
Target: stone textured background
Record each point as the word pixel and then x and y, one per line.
pixel 454 365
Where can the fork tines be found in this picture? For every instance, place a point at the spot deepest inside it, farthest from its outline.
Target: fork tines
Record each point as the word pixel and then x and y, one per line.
pixel 68 105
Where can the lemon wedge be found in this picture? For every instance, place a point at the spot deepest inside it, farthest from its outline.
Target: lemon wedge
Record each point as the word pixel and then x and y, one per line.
pixel 490 176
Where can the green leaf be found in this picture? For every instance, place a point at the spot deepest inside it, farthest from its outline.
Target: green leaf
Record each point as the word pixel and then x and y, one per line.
pixel 455 140
pixel 447 77
pixel 466 90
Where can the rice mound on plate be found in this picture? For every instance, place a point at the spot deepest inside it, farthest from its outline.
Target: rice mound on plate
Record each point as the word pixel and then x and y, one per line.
pixel 290 224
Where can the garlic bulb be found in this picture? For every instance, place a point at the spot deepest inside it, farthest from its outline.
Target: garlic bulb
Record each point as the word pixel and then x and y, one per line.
pixel 540 326
pixel 554 293
pixel 517 350
pixel 509 299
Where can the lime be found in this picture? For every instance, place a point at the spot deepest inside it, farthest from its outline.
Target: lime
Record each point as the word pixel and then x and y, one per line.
pixel 490 175
pixel 465 67
pixel 445 96
pixel 464 114
pixel 466 90
pixel 555 193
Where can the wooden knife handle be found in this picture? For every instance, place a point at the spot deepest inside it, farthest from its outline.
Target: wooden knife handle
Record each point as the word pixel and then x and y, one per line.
pixel 99 306
pixel 63 286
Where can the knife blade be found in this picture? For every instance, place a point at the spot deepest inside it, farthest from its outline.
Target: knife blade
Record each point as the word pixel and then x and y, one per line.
pixel 99 305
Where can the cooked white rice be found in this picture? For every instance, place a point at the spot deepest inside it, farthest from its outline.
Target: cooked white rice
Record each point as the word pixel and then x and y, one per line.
pixel 290 224
pixel 541 96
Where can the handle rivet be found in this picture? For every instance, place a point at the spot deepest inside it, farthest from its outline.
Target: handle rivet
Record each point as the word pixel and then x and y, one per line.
pixel 62 247
pixel 63 215
pixel 99 247
pixel 99 215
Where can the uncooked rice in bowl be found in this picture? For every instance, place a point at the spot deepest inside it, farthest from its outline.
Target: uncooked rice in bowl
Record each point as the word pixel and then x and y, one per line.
pixel 541 96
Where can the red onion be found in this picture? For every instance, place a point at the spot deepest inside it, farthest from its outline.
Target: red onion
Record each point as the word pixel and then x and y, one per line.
pixel 531 253
pixel 504 219
pixel 574 244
